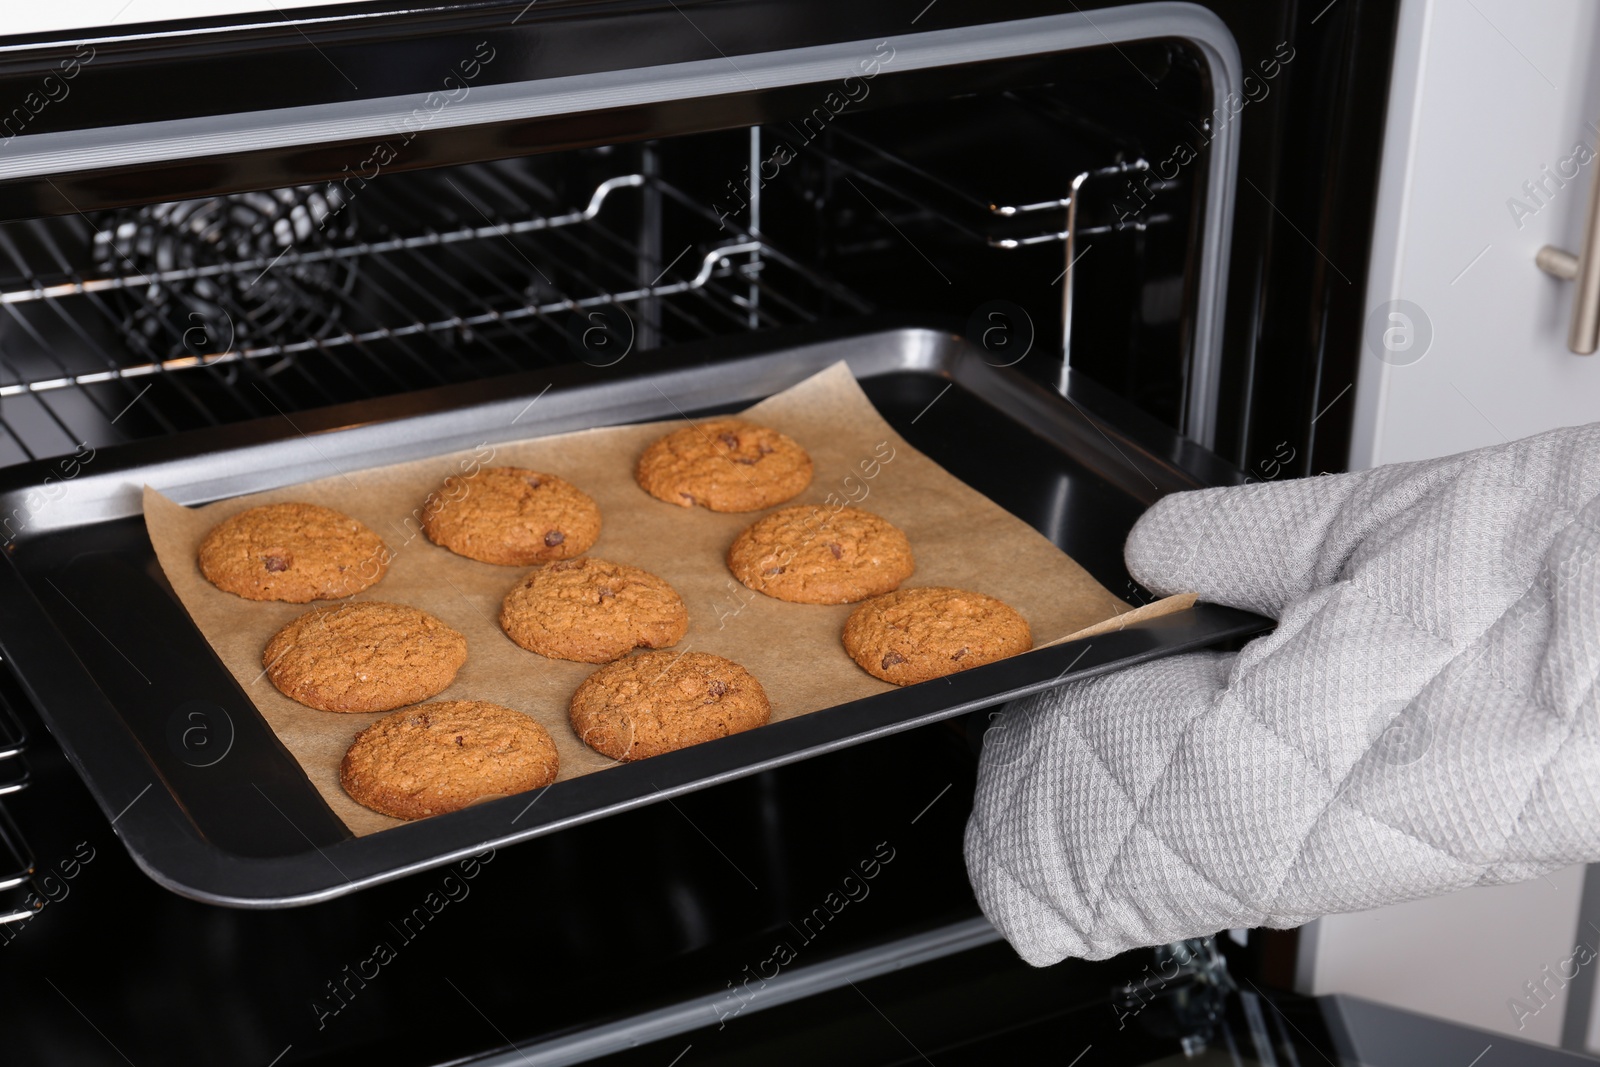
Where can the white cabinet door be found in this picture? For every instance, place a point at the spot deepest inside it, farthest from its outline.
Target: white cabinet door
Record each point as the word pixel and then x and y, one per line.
pixel 1498 958
pixel 1489 154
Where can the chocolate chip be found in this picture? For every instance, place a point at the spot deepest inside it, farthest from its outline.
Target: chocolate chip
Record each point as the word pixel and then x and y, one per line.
pixel 533 483
pixel 458 739
pixel 772 572
pixel 717 688
pixel 728 439
pixel 277 563
pixel 765 450
pixel 688 501
pixel 838 553
pixel 605 592
pixel 554 538
pixel 891 658
pixel 958 653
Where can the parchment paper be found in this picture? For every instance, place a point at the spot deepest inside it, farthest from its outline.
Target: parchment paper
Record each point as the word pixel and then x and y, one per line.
pixel 958 537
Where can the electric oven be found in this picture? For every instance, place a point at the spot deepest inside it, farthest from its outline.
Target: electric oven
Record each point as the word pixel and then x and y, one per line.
pixel 1081 255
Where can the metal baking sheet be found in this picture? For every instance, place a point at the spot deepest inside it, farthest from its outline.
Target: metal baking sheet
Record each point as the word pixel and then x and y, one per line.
pixel 146 712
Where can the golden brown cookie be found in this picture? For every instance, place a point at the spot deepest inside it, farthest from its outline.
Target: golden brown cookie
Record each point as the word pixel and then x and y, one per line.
pixel 441 757
pixel 364 657
pixel 293 552
pixel 811 554
pixel 511 516
pixel 592 611
pixel 657 702
pixel 916 634
pixel 724 465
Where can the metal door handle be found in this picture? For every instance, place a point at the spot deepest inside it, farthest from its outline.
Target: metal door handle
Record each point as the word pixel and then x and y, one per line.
pixel 1583 268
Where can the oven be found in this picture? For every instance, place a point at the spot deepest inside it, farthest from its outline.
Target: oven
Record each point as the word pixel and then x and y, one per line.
pixel 1080 256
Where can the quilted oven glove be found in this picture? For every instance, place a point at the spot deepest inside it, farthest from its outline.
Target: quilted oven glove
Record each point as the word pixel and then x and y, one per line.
pixel 1424 718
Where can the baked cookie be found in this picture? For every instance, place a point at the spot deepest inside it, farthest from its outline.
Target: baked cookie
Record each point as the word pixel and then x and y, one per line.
pixel 293 552
pixel 724 465
pixel 810 554
pixel 363 657
pixel 441 757
pixel 657 702
pixel 512 516
pixel 592 611
pixel 913 635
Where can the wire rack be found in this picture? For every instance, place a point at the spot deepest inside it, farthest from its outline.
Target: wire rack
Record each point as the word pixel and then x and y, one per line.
pixel 196 313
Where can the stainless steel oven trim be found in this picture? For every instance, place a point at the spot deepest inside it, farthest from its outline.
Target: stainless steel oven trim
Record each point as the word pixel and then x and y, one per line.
pixel 42 155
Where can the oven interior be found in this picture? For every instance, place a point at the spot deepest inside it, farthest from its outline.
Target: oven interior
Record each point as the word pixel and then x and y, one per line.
pixel 941 197
pixel 1013 203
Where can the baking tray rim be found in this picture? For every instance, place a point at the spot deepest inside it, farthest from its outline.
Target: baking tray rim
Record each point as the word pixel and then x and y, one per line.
pixel 170 848
pixel 1162 460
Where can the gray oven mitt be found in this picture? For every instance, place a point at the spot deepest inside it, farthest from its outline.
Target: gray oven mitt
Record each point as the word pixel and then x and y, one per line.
pixel 1424 718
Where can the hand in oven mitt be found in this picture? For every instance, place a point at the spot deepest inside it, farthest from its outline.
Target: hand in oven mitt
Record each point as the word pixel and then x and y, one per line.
pixel 1424 718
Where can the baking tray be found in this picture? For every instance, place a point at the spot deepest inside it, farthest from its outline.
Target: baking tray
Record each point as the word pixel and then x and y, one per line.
pixel 211 805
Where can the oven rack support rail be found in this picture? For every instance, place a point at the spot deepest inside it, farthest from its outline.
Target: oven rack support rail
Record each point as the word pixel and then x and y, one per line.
pixel 913 175
pixel 922 189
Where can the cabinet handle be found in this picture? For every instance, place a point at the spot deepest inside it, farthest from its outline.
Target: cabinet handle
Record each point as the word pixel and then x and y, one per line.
pixel 1584 269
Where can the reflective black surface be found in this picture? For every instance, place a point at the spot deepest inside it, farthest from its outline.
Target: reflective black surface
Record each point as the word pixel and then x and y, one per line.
pixel 650 908
pixel 644 909
pixel 982 1008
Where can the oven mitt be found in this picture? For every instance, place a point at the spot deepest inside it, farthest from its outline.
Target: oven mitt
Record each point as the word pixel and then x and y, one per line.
pixel 1424 718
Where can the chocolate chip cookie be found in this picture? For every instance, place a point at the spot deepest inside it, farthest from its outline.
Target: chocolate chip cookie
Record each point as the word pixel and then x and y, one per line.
pixel 441 757
pixel 364 657
pixel 813 554
pixel 592 611
pixel 657 702
pixel 292 552
pixel 724 465
pixel 511 516
pixel 913 635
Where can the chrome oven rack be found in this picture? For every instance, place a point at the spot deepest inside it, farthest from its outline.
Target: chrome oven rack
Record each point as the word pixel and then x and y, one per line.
pixel 716 263
pixel 424 279
pixel 147 321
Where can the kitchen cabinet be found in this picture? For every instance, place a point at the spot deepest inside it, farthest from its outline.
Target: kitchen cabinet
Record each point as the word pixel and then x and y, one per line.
pixel 1494 116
